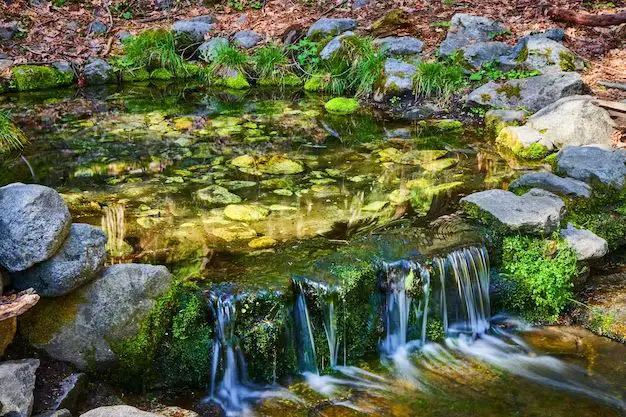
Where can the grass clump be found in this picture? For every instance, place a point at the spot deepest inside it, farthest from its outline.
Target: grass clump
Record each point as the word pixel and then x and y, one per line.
pixel 152 49
pixel 436 79
pixel 271 65
pixel 11 137
pixel 540 272
pixel 228 58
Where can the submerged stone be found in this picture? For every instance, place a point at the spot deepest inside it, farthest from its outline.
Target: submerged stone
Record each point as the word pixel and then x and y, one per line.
pixel 216 195
pixel 342 105
pixel 262 242
pixel 537 211
pixel 414 157
pixel 548 181
pixel 585 243
pixel 246 212
pixel 592 163
pixel 231 233
pixel 268 164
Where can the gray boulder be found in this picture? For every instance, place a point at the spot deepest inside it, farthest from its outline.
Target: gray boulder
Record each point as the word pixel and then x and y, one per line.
pixel 17 382
pixel 82 327
pixel 533 93
pixel 8 30
pixel 58 413
pixel 466 30
pixel 585 243
pixel 78 261
pixel 548 181
pixel 400 45
pixel 97 27
pixel 194 30
pixel 118 411
pixel 593 163
pixel 574 120
pixel 537 211
pixel 398 77
pixel 480 53
pixel 205 18
pixel 547 55
pixel 247 38
pixel 34 222
pixel 334 45
pixel 208 49
pixel 327 26
pixel 98 71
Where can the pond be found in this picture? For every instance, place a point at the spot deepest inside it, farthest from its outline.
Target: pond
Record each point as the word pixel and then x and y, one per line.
pixel 251 189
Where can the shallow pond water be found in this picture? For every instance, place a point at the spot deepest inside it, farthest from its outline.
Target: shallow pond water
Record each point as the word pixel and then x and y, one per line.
pixel 249 188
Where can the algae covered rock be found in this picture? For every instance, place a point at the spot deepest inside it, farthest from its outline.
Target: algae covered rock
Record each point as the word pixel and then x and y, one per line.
pixel 537 211
pixel 532 93
pixel 38 77
pixel 267 164
pixel 82 327
pixel 574 120
pixel 262 242
pixel 525 142
pixel 593 163
pixel 161 74
pixel 393 21
pixel 342 105
pixel 548 181
pixel 547 55
pixel 327 26
pixel 34 222
pixel 585 243
pixel 496 119
pixel 217 195
pixel 398 77
pixel 246 212
pixel 77 262
pixel 17 383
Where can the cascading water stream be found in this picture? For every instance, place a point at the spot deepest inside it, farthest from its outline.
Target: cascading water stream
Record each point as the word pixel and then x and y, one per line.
pixel 307 357
pixel 330 329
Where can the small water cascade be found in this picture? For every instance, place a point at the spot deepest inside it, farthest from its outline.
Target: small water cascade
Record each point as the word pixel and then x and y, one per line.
pixel 307 357
pixel 403 280
pixel 330 329
pixel 464 293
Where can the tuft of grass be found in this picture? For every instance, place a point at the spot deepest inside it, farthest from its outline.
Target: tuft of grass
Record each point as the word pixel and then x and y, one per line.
pixel 228 57
pixel 11 137
pixel 270 61
pixel 368 63
pixel 153 49
pixel 436 79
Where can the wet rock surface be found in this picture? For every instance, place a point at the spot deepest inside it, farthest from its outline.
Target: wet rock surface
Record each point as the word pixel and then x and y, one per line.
pixel 98 71
pixel 553 183
pixel 538 211
pixel 34 222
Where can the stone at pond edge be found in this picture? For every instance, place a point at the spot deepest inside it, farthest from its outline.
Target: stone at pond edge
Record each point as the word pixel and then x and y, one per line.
pixel 593 163
pixel 59 413
pixel 398 79
pixel 81 327
pixel 537 211
pixel 77 262
pixel 119 411
pixel 34 222
pixel 246 212
pixel 342 105
pixel 574 120
pixel 327 26
pixel 525 142
pixel 98 71
pixel 38 77
pixel 548 181
pixel 585 243
pixel 217 195
pixel 496 120
pixel 17 382
pixel 532 93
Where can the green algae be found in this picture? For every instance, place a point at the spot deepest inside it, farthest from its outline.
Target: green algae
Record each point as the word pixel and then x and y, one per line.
pixel 342 105
pixel 35 77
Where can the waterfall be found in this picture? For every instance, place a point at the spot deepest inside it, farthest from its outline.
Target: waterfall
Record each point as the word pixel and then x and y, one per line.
pixel 402 280
pixel 330 329
pixel 307 357
pixel 464 277
pixel 229 392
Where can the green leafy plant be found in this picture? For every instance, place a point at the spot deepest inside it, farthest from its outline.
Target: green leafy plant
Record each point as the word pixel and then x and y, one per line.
pixel 436 79
pixel 490 71
pixel 270 61
pixel 541 271
pixel 306 53
pixel 154 48
pixel 11 137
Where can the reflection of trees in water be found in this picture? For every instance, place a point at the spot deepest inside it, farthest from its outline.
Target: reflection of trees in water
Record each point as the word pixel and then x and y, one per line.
pixel 114 226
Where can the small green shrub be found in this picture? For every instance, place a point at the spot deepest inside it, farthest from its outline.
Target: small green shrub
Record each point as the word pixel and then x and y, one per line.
pixel 490 71
pixel 541 272
pixel 436 79
pixel 152 49
pixel 11 137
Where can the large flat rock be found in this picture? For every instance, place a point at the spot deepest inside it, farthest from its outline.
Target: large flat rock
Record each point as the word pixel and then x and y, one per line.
pixel 568 187
pixel 593 164
pixel 537 211
pixel 34 222
pixel 81 327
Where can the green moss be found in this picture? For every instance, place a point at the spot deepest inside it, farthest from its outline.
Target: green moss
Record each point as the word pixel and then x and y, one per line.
pixel 237 82
pixel 523 55
pixel 494 124
pixel 392 20
pixel 172 346
pixel 140 74
pixel 534 151
pixel 342 105
pixel 316 83
pixel 49 316
pixel 434 330
pixel 510 90
pixel 34 77
pixel 567 61
pixel 161 74
pixel 288 80
pixel 449 124
pixel 539 273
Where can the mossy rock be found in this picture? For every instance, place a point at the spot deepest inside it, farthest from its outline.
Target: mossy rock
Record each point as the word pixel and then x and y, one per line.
pixel 246 212
pixel 342 105
pixel 287 80
pixel 161 74
pixel 317 82
pixel 391 22
pixel 267 164
pixel 140 74
pixel 524 142
pixel 35 77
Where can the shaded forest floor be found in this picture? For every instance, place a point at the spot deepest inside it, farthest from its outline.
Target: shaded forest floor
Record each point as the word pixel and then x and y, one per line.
pixel 60 30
